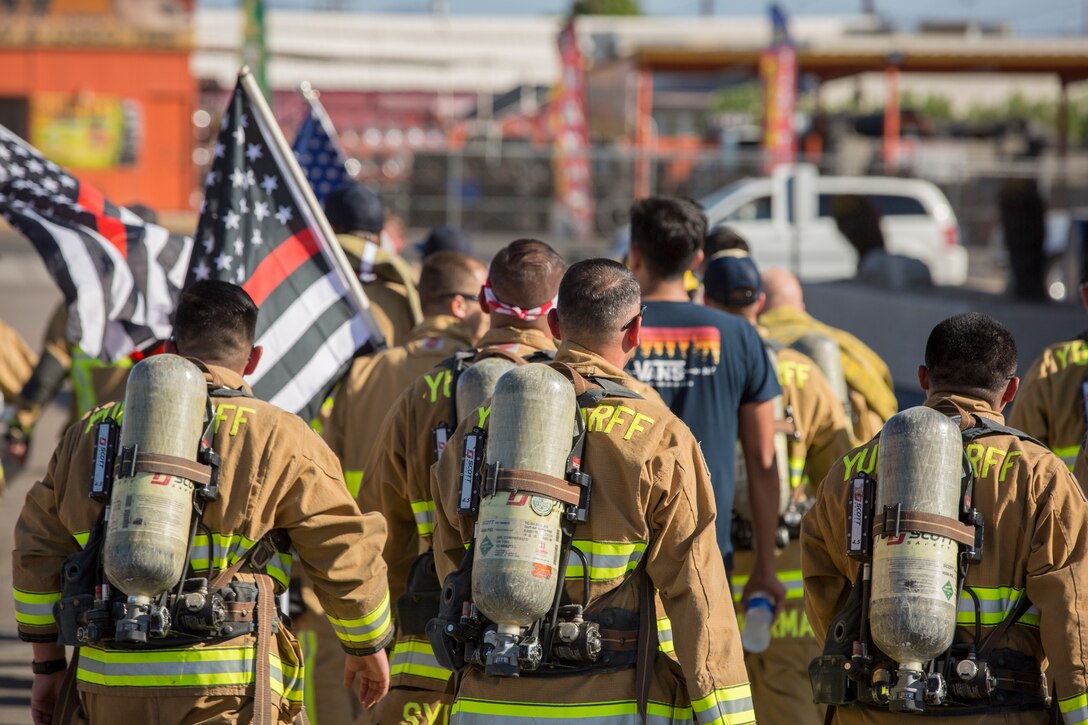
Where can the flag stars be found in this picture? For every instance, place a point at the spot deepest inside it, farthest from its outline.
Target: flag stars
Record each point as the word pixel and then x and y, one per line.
pixel 239 136
pixel 237 178
pixel 212 179
pixel 219 149
pixel 256 239
pixel 68 181
pixel 269 184
pixel 223 261
pixel 251 178
pixel 284 215
pixel 208 243
pixel 243 121
pixel 253 152
pixel 239 247
pixel 232 219
pixel 243 205
pixel 240 277
pixel 202 271
pixel 260 210
pixel 51 184
pixel 34 166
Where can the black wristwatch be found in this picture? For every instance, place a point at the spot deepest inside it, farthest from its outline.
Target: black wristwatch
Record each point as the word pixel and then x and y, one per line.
pixel 48 667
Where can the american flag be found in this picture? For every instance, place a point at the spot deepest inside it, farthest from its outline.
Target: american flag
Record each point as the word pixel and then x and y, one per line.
pixel 257 230
pixel 119 275
pixel 318 151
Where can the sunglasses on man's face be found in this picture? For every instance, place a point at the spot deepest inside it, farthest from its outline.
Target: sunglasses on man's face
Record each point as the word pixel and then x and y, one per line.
pixel 640 313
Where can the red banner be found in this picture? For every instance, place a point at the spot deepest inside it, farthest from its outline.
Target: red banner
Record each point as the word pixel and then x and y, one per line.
pixel 570 131
pixel 778 69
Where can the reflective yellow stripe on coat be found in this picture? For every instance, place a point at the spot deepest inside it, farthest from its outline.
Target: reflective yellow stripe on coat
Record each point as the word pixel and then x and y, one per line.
pixel 35 609
pixel 414 656
pixel 1074 710
pixel 424 515
pixel 726 706
pixel 185 667
pixel 995 604
pixel 624 712
pixel 791 579
pixel 367 631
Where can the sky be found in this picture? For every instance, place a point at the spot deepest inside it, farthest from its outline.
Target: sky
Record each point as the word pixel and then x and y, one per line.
pixel 1028 17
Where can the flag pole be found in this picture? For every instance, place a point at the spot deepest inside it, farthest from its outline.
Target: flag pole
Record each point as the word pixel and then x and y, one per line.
pixel 331 245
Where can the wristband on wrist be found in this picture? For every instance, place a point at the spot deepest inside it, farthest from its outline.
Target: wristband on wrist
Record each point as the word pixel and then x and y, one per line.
pixel 48 667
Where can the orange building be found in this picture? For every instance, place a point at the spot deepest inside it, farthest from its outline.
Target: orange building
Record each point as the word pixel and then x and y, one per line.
pixel 103 87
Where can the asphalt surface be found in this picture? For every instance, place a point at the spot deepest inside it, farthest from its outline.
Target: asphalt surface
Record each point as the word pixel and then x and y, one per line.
pixel 27 298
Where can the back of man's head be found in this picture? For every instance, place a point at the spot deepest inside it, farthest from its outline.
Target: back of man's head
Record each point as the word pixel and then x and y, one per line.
pixel 723 239
pixel 353 208
pixel 782 289
pixel 596 298
pixel 525 274
pixel 215 322
pixel 667 233
pixel 972 353
pixel 445 275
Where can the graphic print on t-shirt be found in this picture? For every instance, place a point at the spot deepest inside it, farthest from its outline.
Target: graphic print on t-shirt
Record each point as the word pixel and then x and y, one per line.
pixel 665 361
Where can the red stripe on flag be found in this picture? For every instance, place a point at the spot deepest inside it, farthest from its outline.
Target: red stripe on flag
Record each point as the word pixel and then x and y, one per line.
pixel 112 229
pixel 278 266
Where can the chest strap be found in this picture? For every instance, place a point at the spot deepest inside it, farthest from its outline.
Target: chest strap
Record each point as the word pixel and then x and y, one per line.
pixel 134 461
pixel 520 480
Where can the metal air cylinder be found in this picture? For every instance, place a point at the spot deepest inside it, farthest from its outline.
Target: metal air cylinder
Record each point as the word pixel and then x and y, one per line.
pixel 827 355
pixel 914 587
pixel 147 537
pixel 477 383
pixel 518 536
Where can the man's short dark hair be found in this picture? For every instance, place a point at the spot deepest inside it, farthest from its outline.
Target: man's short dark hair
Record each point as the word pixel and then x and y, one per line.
pixel 445 274
pixel 596 297
pixel 971 351
pixel 667 232
pixel 526 273
pixel 215 321
pixel 722 238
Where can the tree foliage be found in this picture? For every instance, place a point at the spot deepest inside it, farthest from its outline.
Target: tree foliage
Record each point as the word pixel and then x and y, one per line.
pixel 605 7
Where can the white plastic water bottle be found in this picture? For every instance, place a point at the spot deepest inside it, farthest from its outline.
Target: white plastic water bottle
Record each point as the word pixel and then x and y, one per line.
pixel 758 618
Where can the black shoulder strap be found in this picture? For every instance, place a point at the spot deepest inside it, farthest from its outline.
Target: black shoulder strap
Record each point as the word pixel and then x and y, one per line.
pixel 228 393
pixel 984 427
pixel 605 388
pixel 541 356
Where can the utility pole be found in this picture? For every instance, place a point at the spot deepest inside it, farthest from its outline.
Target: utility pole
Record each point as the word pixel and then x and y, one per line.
pixel 868 7
pixel 708 8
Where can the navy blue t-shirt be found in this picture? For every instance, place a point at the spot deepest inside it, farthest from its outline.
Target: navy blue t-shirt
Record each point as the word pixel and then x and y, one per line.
pixel 705 364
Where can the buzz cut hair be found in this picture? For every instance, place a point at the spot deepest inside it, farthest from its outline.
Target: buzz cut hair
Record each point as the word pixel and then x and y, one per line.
pixel 215 321
pixel 667 232
pixel 526 273
pixel 445 275
pixel 971 351
pixel 596 298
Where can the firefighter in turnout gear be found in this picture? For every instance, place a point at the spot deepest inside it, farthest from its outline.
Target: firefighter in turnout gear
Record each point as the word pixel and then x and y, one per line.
pixel 271 484
pixel 93 381
pixel 521 287
pixel 649 526
pixel 1052 404
pixel 17 362
pixel 1022 606
pixel 357 215
pixel 449 284
pixel 818 437
pixel 872 397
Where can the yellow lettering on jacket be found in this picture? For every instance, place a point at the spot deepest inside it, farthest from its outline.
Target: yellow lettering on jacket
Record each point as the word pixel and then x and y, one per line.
pixel 1072 353
pixel 115 412
pixel 604 418
pixel 442 379
pixel 856 463
pixel 221 413
pixel 484 413
pixel 986 458
pixel 792 373
pixel 421 712
pixel 239 418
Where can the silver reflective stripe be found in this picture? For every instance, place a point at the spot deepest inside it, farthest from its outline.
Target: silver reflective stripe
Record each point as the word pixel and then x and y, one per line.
pixel 559 715
pixel 363 632
pixel 604 566
pixel 724 708
pixel 242 667
pixel 1076 717
pixel 33 610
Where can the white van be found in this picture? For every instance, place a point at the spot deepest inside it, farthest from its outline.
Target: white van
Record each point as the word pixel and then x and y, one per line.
pixel 786 222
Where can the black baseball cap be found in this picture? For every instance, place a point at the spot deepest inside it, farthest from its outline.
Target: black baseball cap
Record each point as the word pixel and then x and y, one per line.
pixel 445 239
pixel 355 208
pixel 733 281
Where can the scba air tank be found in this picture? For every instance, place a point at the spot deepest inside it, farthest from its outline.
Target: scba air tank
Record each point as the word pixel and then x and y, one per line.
pixel 518 537
pixel 742 502
pixel 150 513
pixel 827 355
pixel 914 587
pixel 477 383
